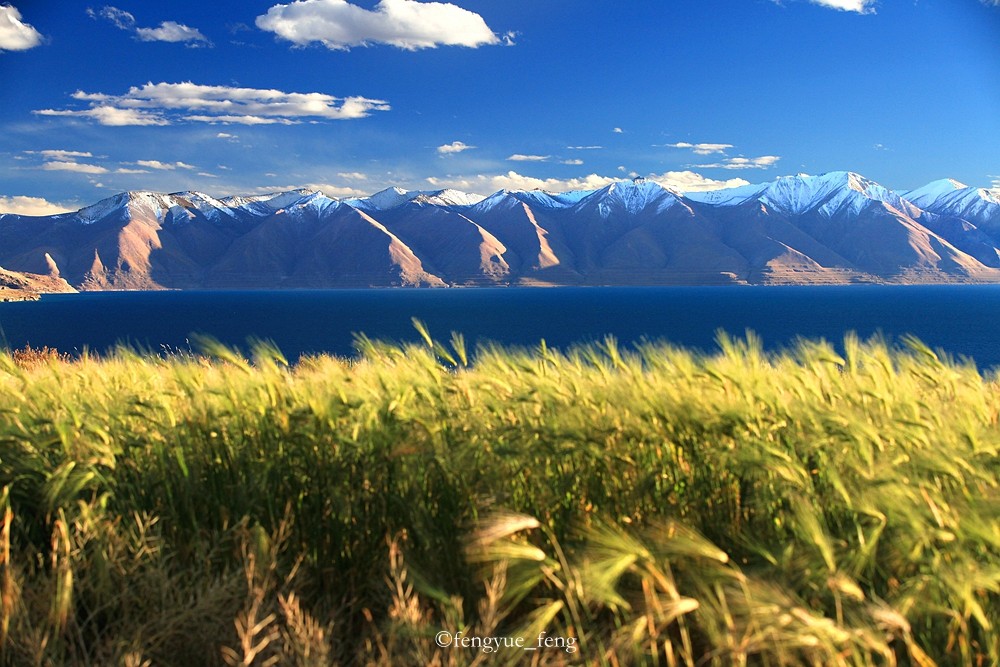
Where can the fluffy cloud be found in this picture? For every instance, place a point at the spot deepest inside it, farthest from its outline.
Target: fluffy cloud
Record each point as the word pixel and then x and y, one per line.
pixel 859 6
pixel 111 116
pixel 333 190
pixel 15 35
pixel 515 181
pixel 31 206
pixel 762 162
pixel 74 167
pixel 168 31
pixel 573 162
pixel 453 147
pixel 996 179
pixel 407 24
pixel 165 103
pixel 329 189
pixel 618 130
pixel 681 181
pixel 60 154
pixel 163 166
pixel 702 149
pixel 689 181
pixel 517 157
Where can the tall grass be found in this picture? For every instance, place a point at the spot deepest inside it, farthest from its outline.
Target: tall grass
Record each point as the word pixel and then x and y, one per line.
pixel 652 506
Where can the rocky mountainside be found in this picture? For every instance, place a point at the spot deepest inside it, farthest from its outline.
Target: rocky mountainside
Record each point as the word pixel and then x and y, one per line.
pixel 834 228
pixel 15 286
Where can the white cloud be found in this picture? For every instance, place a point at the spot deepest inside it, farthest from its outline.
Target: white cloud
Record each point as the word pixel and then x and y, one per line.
pixel 129 170
pixel 165 166
pixel 119 17
pixel 453 147
pixel 996 179
pixel 329 189
pixel 168 31
pixel 206 174
pixel 407 24
pixel 762 162
pixel 60 154
pixel 163 103
pixel 15 35
pixel 515 181
pixel 573 162
pixel 584 148
pixel 859 6
pixel 75 167
pixel 171 31
pixel 225 135
pixel 702 149
pixel 353 176
pixel 517 157
pixel 21 205
pixel 242 120
pixel 689 181
pixel 111 116
pixel 618 130
pixel 621 168
pixel 333 190
pixel 681 181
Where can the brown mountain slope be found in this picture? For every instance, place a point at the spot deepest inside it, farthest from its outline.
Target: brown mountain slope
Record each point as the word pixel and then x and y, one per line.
pixel 835 228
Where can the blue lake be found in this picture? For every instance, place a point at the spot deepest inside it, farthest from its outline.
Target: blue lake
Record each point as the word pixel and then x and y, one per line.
pixel 962 320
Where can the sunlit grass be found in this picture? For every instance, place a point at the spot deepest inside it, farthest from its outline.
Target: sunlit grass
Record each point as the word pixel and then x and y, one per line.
pixel 656 506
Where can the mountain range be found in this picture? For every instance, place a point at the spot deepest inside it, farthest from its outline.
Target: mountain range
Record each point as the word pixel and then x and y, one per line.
pixel 834 228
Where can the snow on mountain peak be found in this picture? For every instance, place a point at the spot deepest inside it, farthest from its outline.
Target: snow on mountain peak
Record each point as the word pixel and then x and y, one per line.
pixel 541 199
pixel 448 197
pixel 933 191
pixel 980 206
pixel 728 196
pixel 827 193
pixel 126 203
pixel 634 196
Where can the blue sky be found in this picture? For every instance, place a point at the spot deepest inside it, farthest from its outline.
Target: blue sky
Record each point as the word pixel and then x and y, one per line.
pixel 247 96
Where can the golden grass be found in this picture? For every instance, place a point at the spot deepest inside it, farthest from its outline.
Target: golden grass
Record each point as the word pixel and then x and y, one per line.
pixel 649 506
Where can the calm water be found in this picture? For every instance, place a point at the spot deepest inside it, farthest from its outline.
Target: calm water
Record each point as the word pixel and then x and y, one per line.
pixel 962 320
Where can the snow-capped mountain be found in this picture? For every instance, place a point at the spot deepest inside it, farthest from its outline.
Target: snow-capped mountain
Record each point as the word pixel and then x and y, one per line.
pixel 828 194
pixel 390 198
pixel 837 227
pixel 979 206
pixel 630 197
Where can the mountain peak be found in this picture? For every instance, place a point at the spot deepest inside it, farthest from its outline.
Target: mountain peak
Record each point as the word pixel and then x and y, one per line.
pixel 633 196
pixel 447 197
pixel 826 193
pixel 980 206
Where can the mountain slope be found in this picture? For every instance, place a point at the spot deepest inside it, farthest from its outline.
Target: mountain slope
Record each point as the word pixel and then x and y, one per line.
pixel 833 228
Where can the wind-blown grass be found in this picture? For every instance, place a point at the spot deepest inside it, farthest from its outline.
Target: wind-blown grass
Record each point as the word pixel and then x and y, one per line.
pixel 653 505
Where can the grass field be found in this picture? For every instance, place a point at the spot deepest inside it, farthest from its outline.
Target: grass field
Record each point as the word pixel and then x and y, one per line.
pixel 647 506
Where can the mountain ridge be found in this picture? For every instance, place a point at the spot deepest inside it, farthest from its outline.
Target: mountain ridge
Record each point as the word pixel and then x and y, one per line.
pixel 838 227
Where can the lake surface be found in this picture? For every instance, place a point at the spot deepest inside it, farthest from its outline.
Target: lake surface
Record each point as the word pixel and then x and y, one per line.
pixel 963 320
